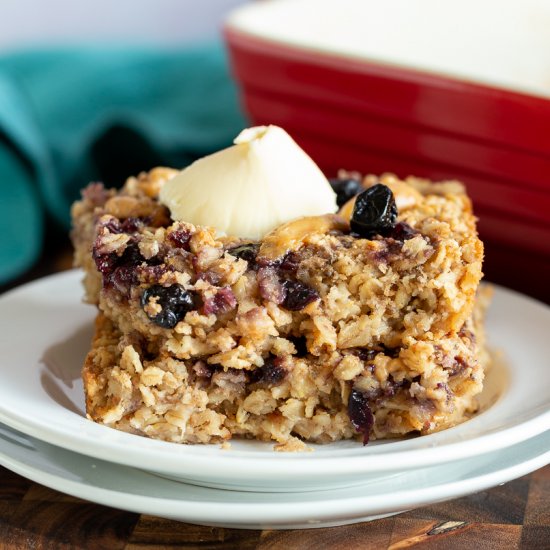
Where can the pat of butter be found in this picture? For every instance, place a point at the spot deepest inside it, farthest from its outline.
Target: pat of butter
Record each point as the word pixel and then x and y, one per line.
pixel 263 180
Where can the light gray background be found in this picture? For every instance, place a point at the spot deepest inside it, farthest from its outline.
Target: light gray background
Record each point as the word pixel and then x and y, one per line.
pixel 26 23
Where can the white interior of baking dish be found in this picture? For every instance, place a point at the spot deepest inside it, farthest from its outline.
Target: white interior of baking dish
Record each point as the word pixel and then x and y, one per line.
pixel 502 43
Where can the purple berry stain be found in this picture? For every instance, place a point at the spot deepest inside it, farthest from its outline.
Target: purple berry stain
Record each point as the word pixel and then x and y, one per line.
pixel 360 414
pixel 271 373
pixel 298 295
pixel 180 238
pixel 289 264
pixel 119 271
pixel 403 232
pixel 223 301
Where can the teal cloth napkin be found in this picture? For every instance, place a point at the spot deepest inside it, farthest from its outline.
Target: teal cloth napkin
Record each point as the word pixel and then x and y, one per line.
pixel 68 117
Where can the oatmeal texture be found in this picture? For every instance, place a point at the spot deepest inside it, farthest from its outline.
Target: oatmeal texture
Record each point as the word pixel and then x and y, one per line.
pixel 311 335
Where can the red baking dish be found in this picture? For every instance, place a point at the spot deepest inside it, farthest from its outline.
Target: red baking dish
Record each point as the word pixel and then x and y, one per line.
pixel 461 108
pixel 363 111
pixel 476 87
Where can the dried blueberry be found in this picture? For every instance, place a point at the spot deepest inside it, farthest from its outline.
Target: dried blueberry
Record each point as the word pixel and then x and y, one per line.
pixel 298 295
pixel 132 225
pixel 123 278
pixel 300 343
pixel 374 212
pixel 360 414
pixel 174 301
pixel 403 232
pixel 247 252
pixel 392 386
pixel 105 263
pixel 119 272
pixel 223 301
pixel 180 238
pixel 129 225
pixel 131 257
pixel 390 352
pixel 270 373
pixel 289 264
pixel 345 189
pixel 367 354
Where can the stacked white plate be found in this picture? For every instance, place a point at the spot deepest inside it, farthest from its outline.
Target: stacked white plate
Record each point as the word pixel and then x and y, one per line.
pixel 46 437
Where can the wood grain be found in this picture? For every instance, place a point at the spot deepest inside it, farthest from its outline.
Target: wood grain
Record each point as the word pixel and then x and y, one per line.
pixel 375 534
pixel 13 487
pixel 458 535
pixel 513 516
pixel 52 525
pixel 152 532
pixel 501 505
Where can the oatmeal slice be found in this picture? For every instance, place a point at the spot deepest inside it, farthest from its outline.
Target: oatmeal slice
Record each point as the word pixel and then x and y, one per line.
pixel 360 324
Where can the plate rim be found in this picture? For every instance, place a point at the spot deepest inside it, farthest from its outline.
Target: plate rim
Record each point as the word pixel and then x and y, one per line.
pixel 289 510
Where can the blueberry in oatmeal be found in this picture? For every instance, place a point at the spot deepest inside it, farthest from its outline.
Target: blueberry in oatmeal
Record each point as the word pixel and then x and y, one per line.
pixel 375 211
pixel 167 306
pixel 360 414
pixel 271 373
pixel 298 295
pixel 247 252
pixel 345 189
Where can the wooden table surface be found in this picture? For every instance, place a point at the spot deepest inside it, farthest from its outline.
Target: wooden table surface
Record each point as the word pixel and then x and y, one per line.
pixel 514 515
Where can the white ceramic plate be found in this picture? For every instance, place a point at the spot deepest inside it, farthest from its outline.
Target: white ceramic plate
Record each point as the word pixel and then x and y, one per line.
pixel 46 335
pixel 134 490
